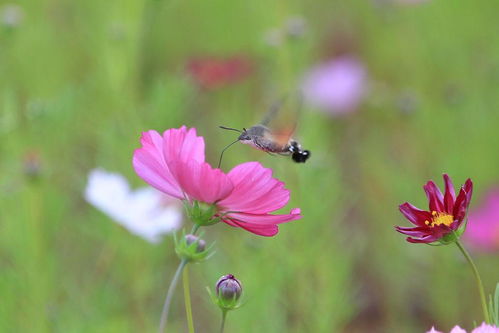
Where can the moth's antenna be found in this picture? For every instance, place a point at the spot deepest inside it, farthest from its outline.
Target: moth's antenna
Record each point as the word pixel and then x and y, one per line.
pixel 222 154
pixel 230 129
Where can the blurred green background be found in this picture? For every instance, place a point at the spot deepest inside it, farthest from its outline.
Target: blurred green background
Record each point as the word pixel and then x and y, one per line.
pixel 80 80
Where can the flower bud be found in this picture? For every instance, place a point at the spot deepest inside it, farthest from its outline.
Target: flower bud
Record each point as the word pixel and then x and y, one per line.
pixel 228 291
pixel 192 248
pixel 201 244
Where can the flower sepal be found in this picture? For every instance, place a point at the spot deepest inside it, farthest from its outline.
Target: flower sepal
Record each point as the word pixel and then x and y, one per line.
pixel 192 248
pixel 202 214
pixel 449 238
pixel 452 237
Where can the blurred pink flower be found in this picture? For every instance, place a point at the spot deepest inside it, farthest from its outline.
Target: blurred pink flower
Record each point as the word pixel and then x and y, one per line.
pixel 484 328
pixel 337 86
pixel 215 72
pixel 482 231
pixel 456 329
pixel 245 197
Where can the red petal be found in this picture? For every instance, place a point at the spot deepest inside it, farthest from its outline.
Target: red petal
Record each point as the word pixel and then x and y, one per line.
pixel 463 201
pixel 427 239
pixel 450 195
pixel 434 196
pixel 415 215
pixel 418 232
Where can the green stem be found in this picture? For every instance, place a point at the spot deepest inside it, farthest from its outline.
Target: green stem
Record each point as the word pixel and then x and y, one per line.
pixel 169 295
pixel 194 229
pixel 224 314
pixel 478 281
pixel 187 300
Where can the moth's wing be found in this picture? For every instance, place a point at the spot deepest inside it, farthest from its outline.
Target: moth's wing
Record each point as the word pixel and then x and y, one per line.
pixel 282 118
pixel 273 112
pixel 280 137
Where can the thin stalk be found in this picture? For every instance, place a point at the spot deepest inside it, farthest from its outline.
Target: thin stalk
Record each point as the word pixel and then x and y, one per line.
pixel 194 229
pixel 169 295
pixel 224 314
pixel 478 281
pixel 187 300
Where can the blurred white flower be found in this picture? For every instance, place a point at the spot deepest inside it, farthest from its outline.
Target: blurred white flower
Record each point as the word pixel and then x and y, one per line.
pixel 273 37
pixel 11 15
pixel 296 26
pixel 337 86
pixel 145 212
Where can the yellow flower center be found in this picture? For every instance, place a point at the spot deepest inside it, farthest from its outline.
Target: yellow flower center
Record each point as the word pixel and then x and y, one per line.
pixel 439 218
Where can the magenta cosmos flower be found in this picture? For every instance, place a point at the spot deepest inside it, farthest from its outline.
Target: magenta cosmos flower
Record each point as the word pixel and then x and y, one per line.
pixel 482 232
pixel 174 164
pixel 446 213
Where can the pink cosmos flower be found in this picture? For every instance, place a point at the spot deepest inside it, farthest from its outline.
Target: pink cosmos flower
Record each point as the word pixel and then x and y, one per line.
pixel 484 328
pixel 174 164
pixel 337 86
pixel 482 232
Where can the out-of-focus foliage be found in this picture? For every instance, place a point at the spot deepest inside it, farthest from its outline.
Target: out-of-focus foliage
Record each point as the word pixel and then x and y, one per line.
pixel 81 79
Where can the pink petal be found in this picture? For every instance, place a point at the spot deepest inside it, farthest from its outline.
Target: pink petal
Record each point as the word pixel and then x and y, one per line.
pixel 484 328
pixel 457 329
pixel 265 219
pixel 201 182
pixel 150 165
pixel 261 230
pixel 182 144
pixel 255 191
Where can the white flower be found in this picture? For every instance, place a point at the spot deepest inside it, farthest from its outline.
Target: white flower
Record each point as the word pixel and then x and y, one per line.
pixel 145 212
pixel 11 15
